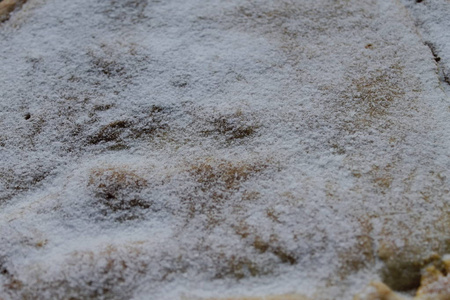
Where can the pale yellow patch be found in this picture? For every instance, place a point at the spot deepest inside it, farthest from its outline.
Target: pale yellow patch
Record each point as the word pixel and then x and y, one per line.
pixel 377 291
pixel 434 285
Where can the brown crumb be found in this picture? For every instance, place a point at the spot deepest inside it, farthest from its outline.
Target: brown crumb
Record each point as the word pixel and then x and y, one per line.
pixel 8 6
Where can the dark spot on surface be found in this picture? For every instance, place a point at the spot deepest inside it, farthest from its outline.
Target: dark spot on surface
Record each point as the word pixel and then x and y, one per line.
pixel 110 132
pixel 369 46
pixel 147 126
pixel 156 109
pixel 118 147
pixel 284 256
pixel 447 78
pixel 118 191
pixel 153 125
pixel 263 247
pixel 102 107
pixel 11 282
pixel 402 276
pixel 37 178
pixel 337 149
pixel 180 84
pixel 3 270
pixel 229 175
pixel 109 67
pixel 419 1
pixel 433 51
pixel 180 81
pixel 232 127
pixel 260 245
pixel 403 271
pixel 240 268
pixel 27 116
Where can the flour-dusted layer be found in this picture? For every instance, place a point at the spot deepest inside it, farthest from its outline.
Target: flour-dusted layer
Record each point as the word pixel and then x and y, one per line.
pixel 431 19
pixel 201 149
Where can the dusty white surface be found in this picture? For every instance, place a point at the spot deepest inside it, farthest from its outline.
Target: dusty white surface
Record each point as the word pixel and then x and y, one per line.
pixel 220 148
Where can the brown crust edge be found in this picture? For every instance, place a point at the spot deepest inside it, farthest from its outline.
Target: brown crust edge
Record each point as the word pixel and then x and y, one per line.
pixel 7 6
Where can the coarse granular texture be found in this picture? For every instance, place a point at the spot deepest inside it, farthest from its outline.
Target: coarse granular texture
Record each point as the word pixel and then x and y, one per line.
pixel 211 149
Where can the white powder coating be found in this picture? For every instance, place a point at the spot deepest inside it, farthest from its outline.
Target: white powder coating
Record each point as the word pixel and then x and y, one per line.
pixel 170 149
pixel 431 18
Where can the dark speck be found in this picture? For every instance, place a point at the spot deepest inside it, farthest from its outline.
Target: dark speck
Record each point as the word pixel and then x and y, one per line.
pixel 27 116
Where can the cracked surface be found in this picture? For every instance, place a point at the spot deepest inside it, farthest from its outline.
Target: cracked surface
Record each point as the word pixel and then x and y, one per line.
pixel 431 19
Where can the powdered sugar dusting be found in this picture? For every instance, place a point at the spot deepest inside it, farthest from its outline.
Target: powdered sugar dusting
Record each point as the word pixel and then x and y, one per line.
pixel 218 148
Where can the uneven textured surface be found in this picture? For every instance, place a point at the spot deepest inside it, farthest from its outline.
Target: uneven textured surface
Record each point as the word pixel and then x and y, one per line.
pixel 8 6
pixel 211 149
